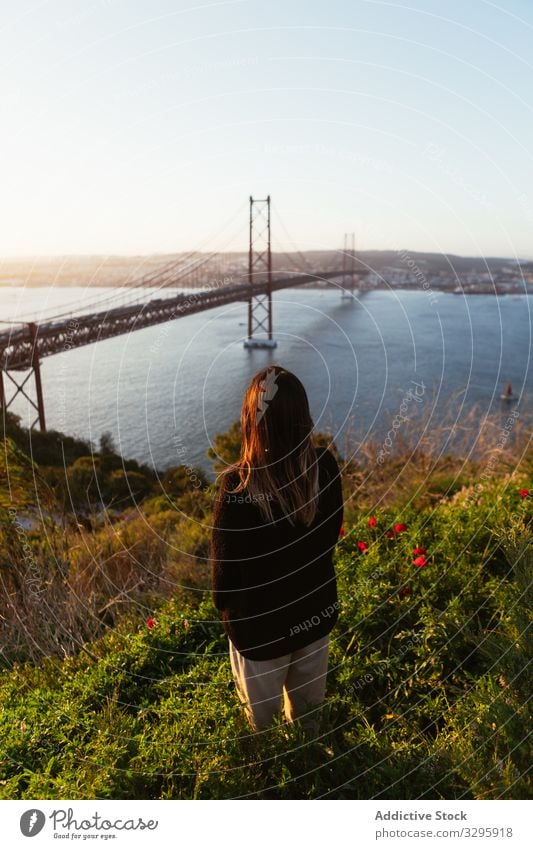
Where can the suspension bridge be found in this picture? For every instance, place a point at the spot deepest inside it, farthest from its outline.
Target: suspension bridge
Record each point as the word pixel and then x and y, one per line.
pixel 190 284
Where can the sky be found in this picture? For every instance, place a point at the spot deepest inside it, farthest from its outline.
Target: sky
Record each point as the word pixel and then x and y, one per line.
pixel 143 126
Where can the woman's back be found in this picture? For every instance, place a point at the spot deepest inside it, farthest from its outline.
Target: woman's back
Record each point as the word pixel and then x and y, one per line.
pixel 274 581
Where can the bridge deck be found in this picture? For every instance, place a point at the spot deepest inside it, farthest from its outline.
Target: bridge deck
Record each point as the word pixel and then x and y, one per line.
pixel 18 346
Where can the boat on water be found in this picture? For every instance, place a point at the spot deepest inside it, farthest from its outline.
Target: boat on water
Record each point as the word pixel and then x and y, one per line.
pixel 508 394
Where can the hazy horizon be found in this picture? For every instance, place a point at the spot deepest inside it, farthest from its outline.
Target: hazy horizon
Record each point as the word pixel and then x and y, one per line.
pixel 34 257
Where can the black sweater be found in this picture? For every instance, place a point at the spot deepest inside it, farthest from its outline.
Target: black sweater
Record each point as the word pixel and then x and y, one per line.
pixel 275 582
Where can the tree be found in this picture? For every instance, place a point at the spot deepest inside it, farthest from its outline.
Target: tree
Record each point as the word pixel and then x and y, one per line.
pixel 180 479
pixel 226 447
pixel 107 443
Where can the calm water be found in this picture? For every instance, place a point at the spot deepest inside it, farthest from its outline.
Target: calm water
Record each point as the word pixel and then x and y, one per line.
pixel 165 392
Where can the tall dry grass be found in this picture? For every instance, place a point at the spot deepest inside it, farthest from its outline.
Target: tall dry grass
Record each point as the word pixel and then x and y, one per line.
pixel 60 587
pixel 429 460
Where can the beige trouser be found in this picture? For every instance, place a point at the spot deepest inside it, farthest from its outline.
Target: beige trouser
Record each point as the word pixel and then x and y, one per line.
pixel 300 677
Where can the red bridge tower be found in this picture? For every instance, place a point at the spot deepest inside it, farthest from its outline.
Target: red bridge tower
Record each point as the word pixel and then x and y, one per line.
pixel 260 272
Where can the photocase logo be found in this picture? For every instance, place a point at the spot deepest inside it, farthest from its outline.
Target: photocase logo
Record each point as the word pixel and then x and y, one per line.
pixel 31 822
pixel 268 389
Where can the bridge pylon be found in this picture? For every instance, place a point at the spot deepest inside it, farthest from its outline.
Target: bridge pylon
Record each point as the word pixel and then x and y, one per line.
pixel 32 367
pixel 348 267
pixel 260 271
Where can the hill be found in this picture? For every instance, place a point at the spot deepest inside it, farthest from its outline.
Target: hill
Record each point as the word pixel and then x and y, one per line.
pixel 429 686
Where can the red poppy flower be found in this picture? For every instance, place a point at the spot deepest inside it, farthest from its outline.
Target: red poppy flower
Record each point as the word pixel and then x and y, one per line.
pixel 372 522
pixel 419 550
pixel 404 591
pixel 524 493
pixel 150 623
pixel 341 532
pixel 420 561
pixel 363 546
pixel 399 527
pixel 389 534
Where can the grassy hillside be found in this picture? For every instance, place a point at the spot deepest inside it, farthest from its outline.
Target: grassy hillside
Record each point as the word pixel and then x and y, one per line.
pixel 429 689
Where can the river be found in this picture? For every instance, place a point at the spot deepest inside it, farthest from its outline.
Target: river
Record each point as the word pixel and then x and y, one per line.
pixel 164 392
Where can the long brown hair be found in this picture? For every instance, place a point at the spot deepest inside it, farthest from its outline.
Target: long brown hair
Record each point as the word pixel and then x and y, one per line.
pixel 278 462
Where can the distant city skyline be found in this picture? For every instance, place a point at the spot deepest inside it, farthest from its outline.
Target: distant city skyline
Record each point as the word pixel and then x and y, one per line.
pixel 141 128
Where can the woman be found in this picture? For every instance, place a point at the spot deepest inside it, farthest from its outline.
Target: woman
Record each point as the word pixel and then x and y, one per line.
pixel 276 521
